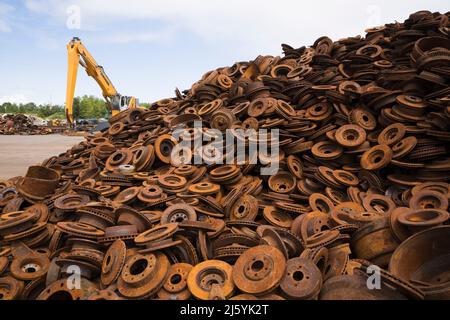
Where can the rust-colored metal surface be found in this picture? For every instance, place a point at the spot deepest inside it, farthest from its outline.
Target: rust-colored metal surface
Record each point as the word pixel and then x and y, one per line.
pixel 24 125
pixel 362 181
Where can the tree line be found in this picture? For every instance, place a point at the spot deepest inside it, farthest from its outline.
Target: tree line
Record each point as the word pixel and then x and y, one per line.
pixel 85 107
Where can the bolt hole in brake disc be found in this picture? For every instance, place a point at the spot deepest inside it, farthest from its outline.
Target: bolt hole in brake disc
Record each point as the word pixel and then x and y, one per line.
pixel 31 268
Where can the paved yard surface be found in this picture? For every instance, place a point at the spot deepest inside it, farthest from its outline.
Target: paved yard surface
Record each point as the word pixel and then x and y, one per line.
pixel 17 153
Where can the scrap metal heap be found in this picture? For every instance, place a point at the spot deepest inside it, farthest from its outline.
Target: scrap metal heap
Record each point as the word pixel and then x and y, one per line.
pixel 363 183
pixel 21 124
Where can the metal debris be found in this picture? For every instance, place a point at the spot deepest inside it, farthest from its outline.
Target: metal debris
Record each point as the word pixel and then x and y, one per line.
pixel 363 180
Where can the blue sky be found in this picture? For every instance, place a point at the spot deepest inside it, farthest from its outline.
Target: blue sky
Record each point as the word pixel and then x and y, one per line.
pixel 150 47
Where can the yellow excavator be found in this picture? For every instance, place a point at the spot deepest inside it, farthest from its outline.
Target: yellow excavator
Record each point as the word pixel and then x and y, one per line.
pixel 116 102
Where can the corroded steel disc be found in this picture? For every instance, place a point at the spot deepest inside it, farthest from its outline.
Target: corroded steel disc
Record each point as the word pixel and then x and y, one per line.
pixel 205 274
pixel 113 262
pixel 175 286
pixel 302 280
pixel 259 269
pixel 143 275
pixel 156 234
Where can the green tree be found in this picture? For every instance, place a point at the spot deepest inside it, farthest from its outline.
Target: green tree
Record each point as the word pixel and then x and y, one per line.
pixel 11 107
pixel 29 108
pixel 77 107
pixel 85 107
pixel 91 107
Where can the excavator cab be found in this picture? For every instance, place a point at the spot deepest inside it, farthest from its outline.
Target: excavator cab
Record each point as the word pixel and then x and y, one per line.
pixel 127 102
pixel 121 103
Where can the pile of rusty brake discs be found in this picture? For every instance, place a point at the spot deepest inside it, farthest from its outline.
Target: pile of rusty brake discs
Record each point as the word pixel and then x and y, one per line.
pixel 362 186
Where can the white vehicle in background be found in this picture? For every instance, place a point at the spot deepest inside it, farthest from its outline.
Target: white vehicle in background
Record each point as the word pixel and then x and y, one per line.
pixel 37 121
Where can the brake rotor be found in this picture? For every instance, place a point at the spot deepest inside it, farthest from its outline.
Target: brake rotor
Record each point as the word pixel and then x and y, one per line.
pixel 257 107
pixel 14 222
pixel 245 208
pixel 327 150
pixel 128 195
pixel 143 275
pixel 312 223
pixel 60 290
pixel 282 182
pixel 271 238
pixel 29 265
pixel 14 204
pixel 420 219
pixel 129 216
pixel 164 145
pixel 404 147
pixel 70 202
pixel 151 193
pixel 338 258
pixel 175 286
pixel 33 289
pixel 118 158
pixel 99 295
pixel 377 157
pixel 320 203
pixel 4 263
pixel 222 119
pixel 121 232
pixel 302 280
pixel 143 158
pixel 178 213
pixel 391 134
pixel 428 199
pixel 204 188
pixel 276 217
pixel 244 296
pixel 195 225
pixel 350 135
pixel 107 190
pixel 156 234
pixel 378 203
pixel 172 183
pixel 113 263
pixel 205 275
pixel 400 231
pixel 322 238
pixel 346 178
pixel 41 210
pixel 259 269
pixel 295 166
pixel 185 252
pixel 10 288
pixel 80 229
pixel 159 245
pixel 28 233
pixel 319 256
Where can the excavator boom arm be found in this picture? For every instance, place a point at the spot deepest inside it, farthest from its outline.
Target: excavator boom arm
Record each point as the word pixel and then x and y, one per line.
pixel 77 50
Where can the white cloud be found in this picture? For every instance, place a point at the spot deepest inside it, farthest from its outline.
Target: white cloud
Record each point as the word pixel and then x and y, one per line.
pixel 128 37
pixel 5 10
pixel 15 98
pixel 233 29
pixel 246 24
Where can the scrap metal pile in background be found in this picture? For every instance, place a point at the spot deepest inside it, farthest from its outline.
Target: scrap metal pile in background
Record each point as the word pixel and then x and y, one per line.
pixel 363 183
pixel 23 124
